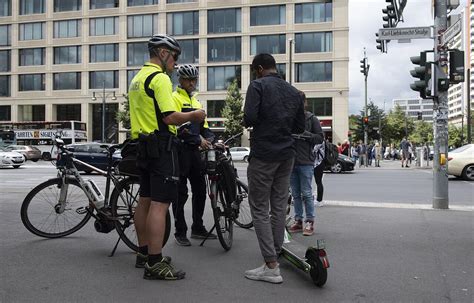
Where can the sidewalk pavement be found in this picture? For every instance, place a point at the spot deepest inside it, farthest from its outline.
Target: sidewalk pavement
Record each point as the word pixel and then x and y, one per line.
pixel 392 164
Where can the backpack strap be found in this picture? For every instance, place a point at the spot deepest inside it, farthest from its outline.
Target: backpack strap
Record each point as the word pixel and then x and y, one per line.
pixel 162 127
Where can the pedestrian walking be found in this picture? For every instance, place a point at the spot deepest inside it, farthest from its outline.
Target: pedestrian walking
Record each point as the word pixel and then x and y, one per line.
pixel 320 152
pixel 404 148
pixel 378 154
pixel 354 152
pixel 275 110
pixel 345 149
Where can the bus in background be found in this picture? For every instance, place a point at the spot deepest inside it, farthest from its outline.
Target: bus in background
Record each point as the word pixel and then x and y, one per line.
pixel 7 137
pixel 40 133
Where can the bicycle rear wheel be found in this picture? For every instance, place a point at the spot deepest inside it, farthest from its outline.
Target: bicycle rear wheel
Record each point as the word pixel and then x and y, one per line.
pixel 41 213
pixel 123 201
pixel 222 215
pixel 244 219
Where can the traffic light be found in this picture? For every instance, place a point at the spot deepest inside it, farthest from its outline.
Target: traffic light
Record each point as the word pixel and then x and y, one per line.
pixel 389 15
pixel 380 44
pixel 364 67
pixel 456 66
pixel 420 115
pixel 366 120
pixel 422 72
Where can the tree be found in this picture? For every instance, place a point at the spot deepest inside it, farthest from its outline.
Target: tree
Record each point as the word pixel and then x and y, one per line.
pixel 454 136
pixel 123 116
pixel 356 124
pixel 232 111
pixel 397 125
pixel 422 133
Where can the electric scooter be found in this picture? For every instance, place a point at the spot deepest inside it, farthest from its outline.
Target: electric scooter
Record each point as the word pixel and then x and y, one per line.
pixel 312 260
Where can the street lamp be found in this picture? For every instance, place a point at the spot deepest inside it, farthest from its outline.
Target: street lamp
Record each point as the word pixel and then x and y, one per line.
pixel 103 96
pixel 291 59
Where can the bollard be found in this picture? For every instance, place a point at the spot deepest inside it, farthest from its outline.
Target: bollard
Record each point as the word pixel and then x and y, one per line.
pixel 419 156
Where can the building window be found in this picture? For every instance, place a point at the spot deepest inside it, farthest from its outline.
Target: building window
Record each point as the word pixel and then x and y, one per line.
pixel 104 53
pixel 186 23
pixel 130 74
pixel 141 2
pixel 189 51
pixel 31 112
pixel 313 12
pixel 67 28
pixel 96 4
pixel 281 70
pixel 32 31
pixel 111 124
pixel 314 72
pixel 5 8
pixel 271 44
pixel 313 42
pixel 5 63
pixel 67 55
pixel 137 53
pixel 67 5
pixel 224 49
pixel 103 26
pixel 108 78
pixel 224 21
pixel 320 106
pixel 5 39
pixel 31 82
pixel 63 81
pixel 267 15
pixel 4 86
pixel 142 25
pixel 219 77
pixel 32 56
pixel 29 7
pixel 5 111
pixel 68 112
pixel 180 1
pixel 214 108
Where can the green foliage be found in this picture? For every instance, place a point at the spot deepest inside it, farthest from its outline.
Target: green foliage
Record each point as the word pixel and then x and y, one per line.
pixel 456 136
pixel 232 110
pixel 123 116
pixel 422 133
pixel 356 125
pixel 397 125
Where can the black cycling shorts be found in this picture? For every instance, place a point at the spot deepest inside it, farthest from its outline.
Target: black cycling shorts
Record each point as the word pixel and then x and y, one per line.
pixel 157 187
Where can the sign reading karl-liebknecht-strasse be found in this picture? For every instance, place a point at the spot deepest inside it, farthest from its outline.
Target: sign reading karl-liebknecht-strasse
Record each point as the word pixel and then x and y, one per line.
pixel 406 33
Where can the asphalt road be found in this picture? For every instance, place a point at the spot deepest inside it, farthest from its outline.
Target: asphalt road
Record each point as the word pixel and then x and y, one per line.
pixel 396 250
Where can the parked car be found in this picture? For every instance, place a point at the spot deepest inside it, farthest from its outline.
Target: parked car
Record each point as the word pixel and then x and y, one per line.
pixel 461 162
pixel 10 158
pixel 344 163
pixel 93 154
pixel 240 153
pixel 28 151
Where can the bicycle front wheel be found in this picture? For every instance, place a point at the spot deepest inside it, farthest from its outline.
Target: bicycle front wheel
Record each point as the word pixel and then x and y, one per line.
pixel 244 219
pixel 123 201
pixel 41 211
pixel 222 215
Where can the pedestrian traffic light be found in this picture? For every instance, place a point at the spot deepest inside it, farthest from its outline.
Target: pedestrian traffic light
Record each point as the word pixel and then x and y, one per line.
pixel 420 115
pixel 422 72
pixel 364 67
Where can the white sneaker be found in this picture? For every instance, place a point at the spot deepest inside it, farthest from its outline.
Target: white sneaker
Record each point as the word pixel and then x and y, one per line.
pixel 318 204
pixel 264 273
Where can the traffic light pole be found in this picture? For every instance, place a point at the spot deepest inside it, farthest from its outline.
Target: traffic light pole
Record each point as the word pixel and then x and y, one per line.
pixel 366 135
pixel 440 163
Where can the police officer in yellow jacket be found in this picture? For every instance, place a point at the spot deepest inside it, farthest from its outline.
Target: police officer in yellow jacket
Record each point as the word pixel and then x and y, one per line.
pixel 193 137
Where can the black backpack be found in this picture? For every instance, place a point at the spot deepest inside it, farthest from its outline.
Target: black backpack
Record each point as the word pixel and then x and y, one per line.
pixel 330 153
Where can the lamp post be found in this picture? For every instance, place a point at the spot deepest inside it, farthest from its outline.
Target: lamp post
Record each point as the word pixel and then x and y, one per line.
pixel 104 96
pixel 291 59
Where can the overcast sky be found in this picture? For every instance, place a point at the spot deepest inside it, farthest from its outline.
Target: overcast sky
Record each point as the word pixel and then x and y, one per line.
pixel 389 74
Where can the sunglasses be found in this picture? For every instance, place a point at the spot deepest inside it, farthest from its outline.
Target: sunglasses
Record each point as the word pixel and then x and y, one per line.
pixel 174 55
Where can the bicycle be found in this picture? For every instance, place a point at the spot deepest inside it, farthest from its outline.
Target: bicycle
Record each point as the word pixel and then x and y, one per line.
pixel 61 206
pixel 226 192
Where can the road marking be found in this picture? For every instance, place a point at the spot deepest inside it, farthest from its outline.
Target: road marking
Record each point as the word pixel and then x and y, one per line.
pixel 395 205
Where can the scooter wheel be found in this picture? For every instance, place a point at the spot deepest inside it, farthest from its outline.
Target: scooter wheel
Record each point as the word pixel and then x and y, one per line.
pixel 318 273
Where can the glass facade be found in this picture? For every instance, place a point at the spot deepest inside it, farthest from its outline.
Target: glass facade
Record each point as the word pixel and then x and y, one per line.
pixel 272 44
pixel 67 28
pixel 224 49
pixel 32 56
pixel 5 60
pixel 97 4
pixel 111 126
pixel 67 55
pixel 313 12
pixel 141 2
pixel 137 53
pixel 281 70
pixel 214 108
pixel 142 26
pixel 29 7
pixel 189 51
pixel 31 112
pixel 31 31
pixel 180 1
pixel 103 26
pixel 5 8
pixel 320 106
pixel 224 21
pixel 66 112
pixel 63 81
pixel 313 42
pixel 314 72
pixel 104 53
pixel 67 5
pixel 5 35
pixel 31 82
pixel 268 15
pixel 4 86
pixel 219 77
pixel 99 79
pixel 130 74
pixel 5 111
pixel 185 23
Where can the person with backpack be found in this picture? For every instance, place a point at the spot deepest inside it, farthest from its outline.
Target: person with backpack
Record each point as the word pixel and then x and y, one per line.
pixel 302 175
pixel 319 164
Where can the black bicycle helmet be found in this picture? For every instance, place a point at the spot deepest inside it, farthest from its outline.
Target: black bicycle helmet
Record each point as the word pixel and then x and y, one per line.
pixel 164 41
pixel 188 71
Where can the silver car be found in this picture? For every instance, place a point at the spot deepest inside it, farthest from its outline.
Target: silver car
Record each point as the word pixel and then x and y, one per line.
pixel 30 152
pixel 240 153
pixel 9 158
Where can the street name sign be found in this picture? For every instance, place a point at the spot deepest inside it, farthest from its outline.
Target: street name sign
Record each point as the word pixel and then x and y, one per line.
pixel 451 32
pixel 406 33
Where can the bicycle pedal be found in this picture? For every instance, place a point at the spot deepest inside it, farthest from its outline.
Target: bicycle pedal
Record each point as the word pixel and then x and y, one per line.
pixel 81 210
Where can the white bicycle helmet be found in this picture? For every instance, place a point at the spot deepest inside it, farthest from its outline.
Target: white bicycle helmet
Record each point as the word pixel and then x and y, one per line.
pixel 188 71
pixel 164 41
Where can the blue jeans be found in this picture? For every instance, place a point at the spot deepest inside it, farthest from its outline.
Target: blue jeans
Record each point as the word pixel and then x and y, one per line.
pixel 300 182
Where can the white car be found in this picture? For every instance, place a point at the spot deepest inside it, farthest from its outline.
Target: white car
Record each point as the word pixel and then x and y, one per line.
pixel 10 158
pixel 461 162
pixel 240 153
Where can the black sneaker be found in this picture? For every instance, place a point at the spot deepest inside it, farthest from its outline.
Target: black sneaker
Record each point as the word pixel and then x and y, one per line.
pixel 142 259
pixel 182 240
pixel 202 234
pixel 162 271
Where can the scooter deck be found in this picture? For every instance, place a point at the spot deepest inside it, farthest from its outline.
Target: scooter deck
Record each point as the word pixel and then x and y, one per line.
pixel 295 253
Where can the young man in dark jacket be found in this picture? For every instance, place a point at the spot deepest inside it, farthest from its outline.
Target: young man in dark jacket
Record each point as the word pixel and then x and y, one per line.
pixel 275 110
